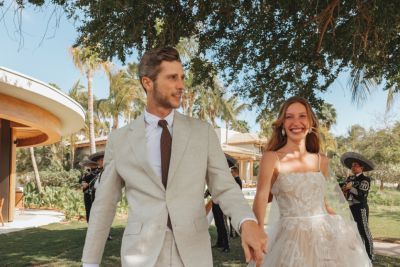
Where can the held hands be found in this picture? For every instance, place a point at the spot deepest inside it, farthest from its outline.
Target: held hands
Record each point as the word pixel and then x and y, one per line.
pixel 254 241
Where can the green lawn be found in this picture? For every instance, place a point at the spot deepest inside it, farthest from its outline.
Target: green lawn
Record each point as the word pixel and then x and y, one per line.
pixel 384 222
pixel 61 245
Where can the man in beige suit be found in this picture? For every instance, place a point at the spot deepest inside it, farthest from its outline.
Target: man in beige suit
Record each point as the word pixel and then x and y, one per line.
pixel 164 160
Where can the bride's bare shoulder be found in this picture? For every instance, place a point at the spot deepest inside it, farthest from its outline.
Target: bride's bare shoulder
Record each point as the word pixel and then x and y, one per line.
pixel 324 164
pixel 270 158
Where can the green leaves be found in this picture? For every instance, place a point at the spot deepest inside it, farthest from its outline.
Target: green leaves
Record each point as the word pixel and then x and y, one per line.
pixel 265 50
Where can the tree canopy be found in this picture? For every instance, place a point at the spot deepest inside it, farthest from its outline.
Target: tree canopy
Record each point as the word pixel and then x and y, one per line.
pixel 266 50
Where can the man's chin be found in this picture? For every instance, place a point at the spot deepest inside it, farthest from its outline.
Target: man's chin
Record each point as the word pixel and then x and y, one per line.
pixel 176 105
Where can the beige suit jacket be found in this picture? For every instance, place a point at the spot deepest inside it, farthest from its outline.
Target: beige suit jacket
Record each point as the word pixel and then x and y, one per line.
pixel 196 160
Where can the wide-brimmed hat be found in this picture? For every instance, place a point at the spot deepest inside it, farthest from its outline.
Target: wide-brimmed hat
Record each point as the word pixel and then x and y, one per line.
pixel 349 157
pixel 88 163
pixel 96 156
pixel 231 161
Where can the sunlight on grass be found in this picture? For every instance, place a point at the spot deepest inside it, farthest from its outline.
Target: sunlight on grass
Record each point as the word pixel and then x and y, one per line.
pixel 61 245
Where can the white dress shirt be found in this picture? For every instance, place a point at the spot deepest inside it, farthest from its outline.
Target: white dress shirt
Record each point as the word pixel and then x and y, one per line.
pixel 153 137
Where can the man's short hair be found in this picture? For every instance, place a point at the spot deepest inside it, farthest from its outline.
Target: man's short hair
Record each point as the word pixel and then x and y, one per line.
pixel 149 65
pixel 235 169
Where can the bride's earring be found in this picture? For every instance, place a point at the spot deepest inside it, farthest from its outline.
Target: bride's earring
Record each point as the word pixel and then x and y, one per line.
pixel 310 130
pixel 283 131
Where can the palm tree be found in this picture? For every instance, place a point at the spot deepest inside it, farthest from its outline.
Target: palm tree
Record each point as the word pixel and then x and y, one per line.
pixel 125 96
pixel 77 93
pixel 361 87
pixel 190 94
pixel 327 115
pixel 139 101
pixel 88 61
pixel 231 108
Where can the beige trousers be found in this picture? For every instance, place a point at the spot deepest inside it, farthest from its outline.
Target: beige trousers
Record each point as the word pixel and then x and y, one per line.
pixel 169 255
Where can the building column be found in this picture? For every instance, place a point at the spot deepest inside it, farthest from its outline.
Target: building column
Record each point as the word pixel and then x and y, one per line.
pixel 5 166
pixel 13 175
pixel 242 171
pixel 251 170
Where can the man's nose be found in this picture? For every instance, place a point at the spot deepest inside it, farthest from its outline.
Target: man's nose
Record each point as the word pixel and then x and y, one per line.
pixel 180 84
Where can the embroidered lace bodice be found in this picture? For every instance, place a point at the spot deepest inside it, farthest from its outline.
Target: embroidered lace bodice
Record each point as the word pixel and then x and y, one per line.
pixel 300 194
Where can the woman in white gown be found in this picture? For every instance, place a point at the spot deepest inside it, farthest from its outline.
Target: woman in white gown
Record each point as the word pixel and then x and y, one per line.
pixel 307 226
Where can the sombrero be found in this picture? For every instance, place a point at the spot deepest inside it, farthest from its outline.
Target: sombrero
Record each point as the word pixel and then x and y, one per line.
pixel 349 157
pixel 96 156
pixel 231 161
pixel 88 163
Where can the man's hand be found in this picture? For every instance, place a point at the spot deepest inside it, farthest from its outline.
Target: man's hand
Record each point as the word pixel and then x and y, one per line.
pixel 85 185
pixel 254 241
pixel 349 185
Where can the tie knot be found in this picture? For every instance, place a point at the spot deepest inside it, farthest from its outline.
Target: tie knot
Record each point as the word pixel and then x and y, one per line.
pixel 163 124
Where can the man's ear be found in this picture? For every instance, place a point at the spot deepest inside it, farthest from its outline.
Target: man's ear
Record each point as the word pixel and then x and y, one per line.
pixel 147 83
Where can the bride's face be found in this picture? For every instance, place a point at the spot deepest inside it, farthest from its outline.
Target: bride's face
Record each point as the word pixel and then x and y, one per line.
pixel 296 122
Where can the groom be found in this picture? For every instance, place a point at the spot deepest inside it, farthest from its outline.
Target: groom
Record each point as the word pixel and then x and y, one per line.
pixel 164 160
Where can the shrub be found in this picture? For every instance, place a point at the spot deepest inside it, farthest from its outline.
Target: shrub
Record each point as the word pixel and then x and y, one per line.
pixel 59 179
pixel 65 199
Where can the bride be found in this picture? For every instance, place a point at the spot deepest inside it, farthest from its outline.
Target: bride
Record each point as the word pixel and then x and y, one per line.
pixel 309 223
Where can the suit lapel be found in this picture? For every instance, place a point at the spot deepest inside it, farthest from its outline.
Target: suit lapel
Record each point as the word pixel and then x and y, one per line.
pixel 180 138
pixel 137 141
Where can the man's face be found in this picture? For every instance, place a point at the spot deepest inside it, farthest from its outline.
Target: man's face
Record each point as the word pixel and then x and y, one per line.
pixel 166 91
pixel 100 162
pixel 234 173
pixel 356 168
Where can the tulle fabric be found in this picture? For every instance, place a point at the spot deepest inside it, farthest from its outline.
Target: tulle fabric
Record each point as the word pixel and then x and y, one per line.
pixel 302 233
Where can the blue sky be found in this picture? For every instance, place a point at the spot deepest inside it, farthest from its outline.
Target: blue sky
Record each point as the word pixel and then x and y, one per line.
pixel 48 60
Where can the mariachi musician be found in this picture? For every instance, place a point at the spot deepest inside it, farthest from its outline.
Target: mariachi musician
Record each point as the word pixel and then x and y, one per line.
pixel 355 189
pixel 87 182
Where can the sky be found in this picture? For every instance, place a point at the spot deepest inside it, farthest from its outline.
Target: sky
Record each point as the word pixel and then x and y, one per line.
pixel 43 53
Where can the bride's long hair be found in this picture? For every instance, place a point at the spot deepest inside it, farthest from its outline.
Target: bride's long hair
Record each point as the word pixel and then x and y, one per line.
pixel 278 140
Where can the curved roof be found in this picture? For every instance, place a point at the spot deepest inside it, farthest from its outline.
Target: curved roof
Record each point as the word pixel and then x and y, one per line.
pixel 65 115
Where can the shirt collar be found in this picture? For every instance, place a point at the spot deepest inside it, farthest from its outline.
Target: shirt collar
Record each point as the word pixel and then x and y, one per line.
pixel 152 119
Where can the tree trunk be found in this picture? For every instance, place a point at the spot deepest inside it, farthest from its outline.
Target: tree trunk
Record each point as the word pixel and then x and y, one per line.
pixel 381 186
pixel 90 113
pixel 398 187
pixel 72 147
pixel 36 171
pixel 226 132
pixel 115 122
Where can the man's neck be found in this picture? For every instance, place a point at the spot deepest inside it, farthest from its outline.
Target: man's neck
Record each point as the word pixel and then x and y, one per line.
pixel 158 111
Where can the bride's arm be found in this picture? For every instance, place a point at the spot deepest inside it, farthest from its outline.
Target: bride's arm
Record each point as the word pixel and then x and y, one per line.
pixel 267 166
pixel 325 172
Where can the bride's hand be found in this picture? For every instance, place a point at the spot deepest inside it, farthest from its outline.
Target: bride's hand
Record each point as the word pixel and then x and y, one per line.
pixel 254 241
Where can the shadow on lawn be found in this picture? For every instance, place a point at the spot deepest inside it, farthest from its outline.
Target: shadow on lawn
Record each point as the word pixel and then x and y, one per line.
pixel 61 245
pixel 53 247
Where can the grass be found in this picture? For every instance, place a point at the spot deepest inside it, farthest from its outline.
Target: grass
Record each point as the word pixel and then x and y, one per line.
pixel 61 245
pixel 384 223
pixel 384 214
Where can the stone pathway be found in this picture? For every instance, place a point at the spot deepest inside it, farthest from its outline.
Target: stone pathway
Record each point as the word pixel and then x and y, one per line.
pixel 387 249
pixel 24 219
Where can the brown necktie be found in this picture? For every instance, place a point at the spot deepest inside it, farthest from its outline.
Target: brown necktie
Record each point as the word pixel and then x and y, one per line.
pixel 165 147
